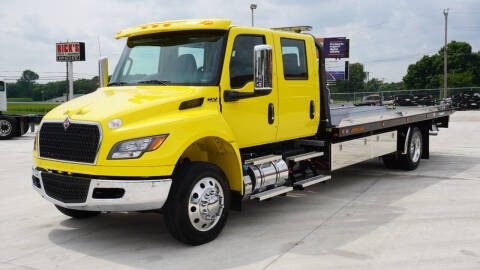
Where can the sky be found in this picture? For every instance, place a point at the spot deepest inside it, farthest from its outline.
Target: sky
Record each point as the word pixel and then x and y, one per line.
pixel 386 36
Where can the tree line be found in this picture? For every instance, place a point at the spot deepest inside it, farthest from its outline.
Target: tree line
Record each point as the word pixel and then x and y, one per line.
pixel 463 71
pixel 427 73
pixel 27 87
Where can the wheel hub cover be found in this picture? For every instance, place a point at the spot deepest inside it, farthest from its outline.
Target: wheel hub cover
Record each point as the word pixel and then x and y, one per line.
pixel 5 128
pixel 206 204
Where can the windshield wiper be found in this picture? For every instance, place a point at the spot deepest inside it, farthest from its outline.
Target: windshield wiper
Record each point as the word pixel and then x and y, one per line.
pixel 154 82
pixel 117 83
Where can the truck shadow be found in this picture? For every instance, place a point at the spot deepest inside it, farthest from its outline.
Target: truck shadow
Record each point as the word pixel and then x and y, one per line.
pixel 319 221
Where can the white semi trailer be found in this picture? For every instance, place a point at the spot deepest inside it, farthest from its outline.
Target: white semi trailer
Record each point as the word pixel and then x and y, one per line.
pixel 13 125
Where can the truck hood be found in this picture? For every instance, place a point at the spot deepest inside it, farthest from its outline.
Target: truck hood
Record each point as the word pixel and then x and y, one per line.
pixel 129 103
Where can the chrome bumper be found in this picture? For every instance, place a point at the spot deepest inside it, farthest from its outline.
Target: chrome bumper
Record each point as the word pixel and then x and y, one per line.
pixel 139 194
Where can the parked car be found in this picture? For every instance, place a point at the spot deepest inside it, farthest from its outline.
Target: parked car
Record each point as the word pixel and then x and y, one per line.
pixel 468 100
pixel 424 98
pixel 372 100
pixel 404 100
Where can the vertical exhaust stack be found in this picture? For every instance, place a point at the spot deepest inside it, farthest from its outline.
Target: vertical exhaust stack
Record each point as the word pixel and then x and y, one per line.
pixel 103 72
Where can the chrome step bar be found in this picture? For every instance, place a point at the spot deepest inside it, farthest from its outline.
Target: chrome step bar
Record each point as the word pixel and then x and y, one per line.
pixel 261 160
pixel 271 193
pixel 305 156
pixel 311 181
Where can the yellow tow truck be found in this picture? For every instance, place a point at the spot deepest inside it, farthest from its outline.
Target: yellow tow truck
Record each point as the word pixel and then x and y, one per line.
pixel 200 115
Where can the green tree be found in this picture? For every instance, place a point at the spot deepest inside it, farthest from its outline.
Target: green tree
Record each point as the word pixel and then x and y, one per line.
pixel 25 83
pixel 373 84
pixel 355 83
pixel 463 68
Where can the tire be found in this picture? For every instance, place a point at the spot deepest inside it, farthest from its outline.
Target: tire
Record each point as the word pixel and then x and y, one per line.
pixel 194 182
pixel 411 160
pixel 77 214
pixel 26 124
pixel 8 127
pixel 390 161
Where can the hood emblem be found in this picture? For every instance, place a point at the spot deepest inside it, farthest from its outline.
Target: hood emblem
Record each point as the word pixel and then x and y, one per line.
pixel 66 123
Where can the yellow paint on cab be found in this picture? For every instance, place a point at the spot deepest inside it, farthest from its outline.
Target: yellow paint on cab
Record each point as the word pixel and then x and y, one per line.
pixel 206 133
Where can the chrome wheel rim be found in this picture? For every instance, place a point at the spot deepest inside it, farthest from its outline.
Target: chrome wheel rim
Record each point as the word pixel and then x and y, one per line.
pixel 415 147
pixel 5 128
pixel 205 204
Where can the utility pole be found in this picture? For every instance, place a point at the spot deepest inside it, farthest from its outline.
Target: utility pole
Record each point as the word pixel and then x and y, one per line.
pixel 70 80
pixel 66 79
pixel 252 7
pixel 445 13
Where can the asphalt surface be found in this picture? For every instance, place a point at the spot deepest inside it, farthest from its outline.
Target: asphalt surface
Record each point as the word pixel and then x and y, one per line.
pixel 366 217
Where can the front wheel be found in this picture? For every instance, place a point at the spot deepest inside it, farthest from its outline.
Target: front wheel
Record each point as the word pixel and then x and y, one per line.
pixel 197 207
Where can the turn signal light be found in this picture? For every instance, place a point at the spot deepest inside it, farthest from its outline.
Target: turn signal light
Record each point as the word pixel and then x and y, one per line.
pixel 156 143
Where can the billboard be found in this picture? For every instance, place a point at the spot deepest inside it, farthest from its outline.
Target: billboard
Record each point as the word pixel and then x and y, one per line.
pixel 337 47
pixel 336 70
pixel 335 75
pixel 70 51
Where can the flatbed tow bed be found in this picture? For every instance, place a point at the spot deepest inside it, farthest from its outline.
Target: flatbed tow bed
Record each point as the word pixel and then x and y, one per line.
pixel 348 120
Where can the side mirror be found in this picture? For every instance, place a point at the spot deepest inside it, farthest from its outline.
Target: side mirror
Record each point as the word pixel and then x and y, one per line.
pixel 103 71
pixel 262 69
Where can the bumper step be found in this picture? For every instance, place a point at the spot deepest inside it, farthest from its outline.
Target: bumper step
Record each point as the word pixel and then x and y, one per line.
pixel 271 193
pixel 311 181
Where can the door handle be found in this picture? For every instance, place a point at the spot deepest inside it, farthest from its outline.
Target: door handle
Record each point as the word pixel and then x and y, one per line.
pixel 271 114
pixel 312 109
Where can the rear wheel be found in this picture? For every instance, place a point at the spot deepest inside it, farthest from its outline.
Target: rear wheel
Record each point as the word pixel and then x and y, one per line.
pixel 390 161
pixel 197 208
pixel 8 127
pixel 411 160
pixel 77 214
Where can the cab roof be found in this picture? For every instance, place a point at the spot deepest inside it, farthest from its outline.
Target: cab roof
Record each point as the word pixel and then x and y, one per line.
pixel 158 27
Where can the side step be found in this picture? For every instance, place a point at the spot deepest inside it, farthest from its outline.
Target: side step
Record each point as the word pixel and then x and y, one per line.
pixel 305 156
pixel 271 193
pixel 434 130
pixel 311 181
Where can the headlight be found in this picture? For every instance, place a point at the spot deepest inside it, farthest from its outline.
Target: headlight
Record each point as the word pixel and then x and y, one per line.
pixel 136 147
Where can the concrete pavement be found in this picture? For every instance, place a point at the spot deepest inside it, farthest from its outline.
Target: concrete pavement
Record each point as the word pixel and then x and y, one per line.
pixel 367 217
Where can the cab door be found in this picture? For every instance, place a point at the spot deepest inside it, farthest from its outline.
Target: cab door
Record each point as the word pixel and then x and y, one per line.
pixel 297 86
pixel 253 120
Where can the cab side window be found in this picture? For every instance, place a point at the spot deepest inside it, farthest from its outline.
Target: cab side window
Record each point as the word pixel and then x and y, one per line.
pixel 294 59
pixel 241 63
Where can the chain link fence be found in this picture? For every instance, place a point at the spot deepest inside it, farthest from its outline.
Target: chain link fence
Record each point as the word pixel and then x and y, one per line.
pixel 413 96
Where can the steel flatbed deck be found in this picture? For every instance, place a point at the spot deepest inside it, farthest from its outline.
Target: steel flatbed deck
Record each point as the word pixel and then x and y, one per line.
pixel 348 120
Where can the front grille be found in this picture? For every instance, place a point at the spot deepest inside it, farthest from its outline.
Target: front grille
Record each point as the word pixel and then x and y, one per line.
pixel 77 143
pixel 66 189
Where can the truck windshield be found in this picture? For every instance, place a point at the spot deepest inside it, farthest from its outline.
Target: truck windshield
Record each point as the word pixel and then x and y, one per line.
pixel 172 58
pixel 2 87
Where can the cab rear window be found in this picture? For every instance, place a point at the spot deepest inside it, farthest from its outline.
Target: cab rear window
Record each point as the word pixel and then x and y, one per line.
pixel 294 59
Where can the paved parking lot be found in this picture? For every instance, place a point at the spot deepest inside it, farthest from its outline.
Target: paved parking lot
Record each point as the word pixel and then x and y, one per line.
pixel 367 217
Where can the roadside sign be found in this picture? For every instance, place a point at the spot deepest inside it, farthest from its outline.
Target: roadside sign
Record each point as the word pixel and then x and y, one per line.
pixel 335 75
pixel 337 47
pixel 70 51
